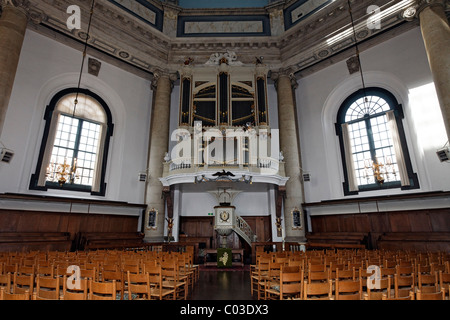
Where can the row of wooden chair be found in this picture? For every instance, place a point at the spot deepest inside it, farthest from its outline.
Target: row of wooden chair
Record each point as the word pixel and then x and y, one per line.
pixel 130 273
pixel 292 285
pixel 415 274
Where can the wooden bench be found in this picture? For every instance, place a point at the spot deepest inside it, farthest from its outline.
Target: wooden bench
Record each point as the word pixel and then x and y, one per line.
pixel 110 240
pixel 416 241
pixel 338 237
pixel 31 241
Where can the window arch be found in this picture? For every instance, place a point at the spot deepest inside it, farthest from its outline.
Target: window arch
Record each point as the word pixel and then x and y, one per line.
pixel 75 144
pixel 373 144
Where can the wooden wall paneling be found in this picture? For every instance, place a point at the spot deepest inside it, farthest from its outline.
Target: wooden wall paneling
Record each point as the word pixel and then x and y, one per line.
pixel 29 221
pixel 332 223
pixel 420 221
pixel 399 222
pixel 362 223
pixel 439 220
pixel 348 223
pixel 8 221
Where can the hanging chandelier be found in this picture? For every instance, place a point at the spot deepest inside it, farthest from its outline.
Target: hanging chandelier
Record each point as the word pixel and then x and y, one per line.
pixel 379 170
pixel 65 172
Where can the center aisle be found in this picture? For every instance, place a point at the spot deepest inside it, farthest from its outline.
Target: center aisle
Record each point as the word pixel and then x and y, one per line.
pixel 222 285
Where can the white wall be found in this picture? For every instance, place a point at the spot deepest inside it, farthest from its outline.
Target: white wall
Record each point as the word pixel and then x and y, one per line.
pixel 399 65
pixel 46 67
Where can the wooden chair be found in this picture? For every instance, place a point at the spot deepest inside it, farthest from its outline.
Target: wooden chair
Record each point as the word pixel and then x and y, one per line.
pixel 13 296
pixel 26 270
pixel 385 272
pixel 74 293
pixel 101 290
pixel 290 285
pixel 318 290
pixel 157 289
pixel 403 285
pixel 444 282
pixel 427 282
pixel 138 286
pixel 89 273
pixel 385 285
pixel 109 276
pixel 45 270
pixel 319 267
pixel 318 276
pixel 259 276
pixel 348 274
pixel 47 288
pixel 22 283
pixel 410 296
pixel 6 282
pixel 438 295
pixel 170 279
pixel 348 289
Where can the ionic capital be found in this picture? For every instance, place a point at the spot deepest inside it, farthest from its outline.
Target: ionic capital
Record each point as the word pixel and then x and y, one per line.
pixel 22 5
pixel 161 74
pixel 413 11
pixel 275 75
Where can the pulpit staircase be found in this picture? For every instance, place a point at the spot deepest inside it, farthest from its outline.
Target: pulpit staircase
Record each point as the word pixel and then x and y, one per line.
pixel 233 223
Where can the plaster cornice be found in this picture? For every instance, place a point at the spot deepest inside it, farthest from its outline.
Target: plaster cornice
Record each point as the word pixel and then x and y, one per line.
pixel 126 38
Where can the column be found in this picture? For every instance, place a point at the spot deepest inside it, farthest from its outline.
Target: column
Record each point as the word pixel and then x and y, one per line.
pixel 159 141
pixel 293 198
pixel 13 24
pixel 436 37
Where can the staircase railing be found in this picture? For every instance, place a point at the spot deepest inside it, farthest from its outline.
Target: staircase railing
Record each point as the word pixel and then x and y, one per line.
pixel 244 230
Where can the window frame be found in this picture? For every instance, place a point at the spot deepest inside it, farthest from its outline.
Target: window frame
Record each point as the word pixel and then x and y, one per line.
pixel 399 115
pixel 48 116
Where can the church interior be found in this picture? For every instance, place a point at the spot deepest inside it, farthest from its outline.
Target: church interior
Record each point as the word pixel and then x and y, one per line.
pixel 298 148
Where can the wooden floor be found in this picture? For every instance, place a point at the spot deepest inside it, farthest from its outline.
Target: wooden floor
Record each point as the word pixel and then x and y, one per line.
pixel 222 285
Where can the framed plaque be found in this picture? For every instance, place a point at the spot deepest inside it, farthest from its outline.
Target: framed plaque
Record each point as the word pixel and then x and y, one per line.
pixel 296 219
pixel 152 215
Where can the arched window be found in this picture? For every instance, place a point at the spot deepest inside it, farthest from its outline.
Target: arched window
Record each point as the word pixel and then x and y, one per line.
pixel 75 144
pixel 373 145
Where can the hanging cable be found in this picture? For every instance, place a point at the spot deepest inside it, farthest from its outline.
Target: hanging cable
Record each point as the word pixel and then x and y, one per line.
pixel 84 56
pixel 357 56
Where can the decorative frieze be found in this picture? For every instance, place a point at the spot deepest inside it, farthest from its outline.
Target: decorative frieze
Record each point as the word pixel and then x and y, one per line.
pixel 148 47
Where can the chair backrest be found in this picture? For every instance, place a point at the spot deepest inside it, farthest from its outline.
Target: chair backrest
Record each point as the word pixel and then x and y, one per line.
pixel 318 276
pixel 5 281
pixel 101 290
pixel 438 295
pixel 349 274
pixel 47 288
pixel 73 293
pixel 138 285
pixel 45 270
pixel 410 296
pixel 348 289
pixel 13 296
pixel 318 290
pixel 22 283
pixel 291 282
pixel 427 282
pixel 89 273
pixel 403 284
pixel 382 286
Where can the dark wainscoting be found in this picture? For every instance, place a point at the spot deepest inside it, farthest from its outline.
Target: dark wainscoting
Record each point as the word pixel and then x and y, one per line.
pixel 393 230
